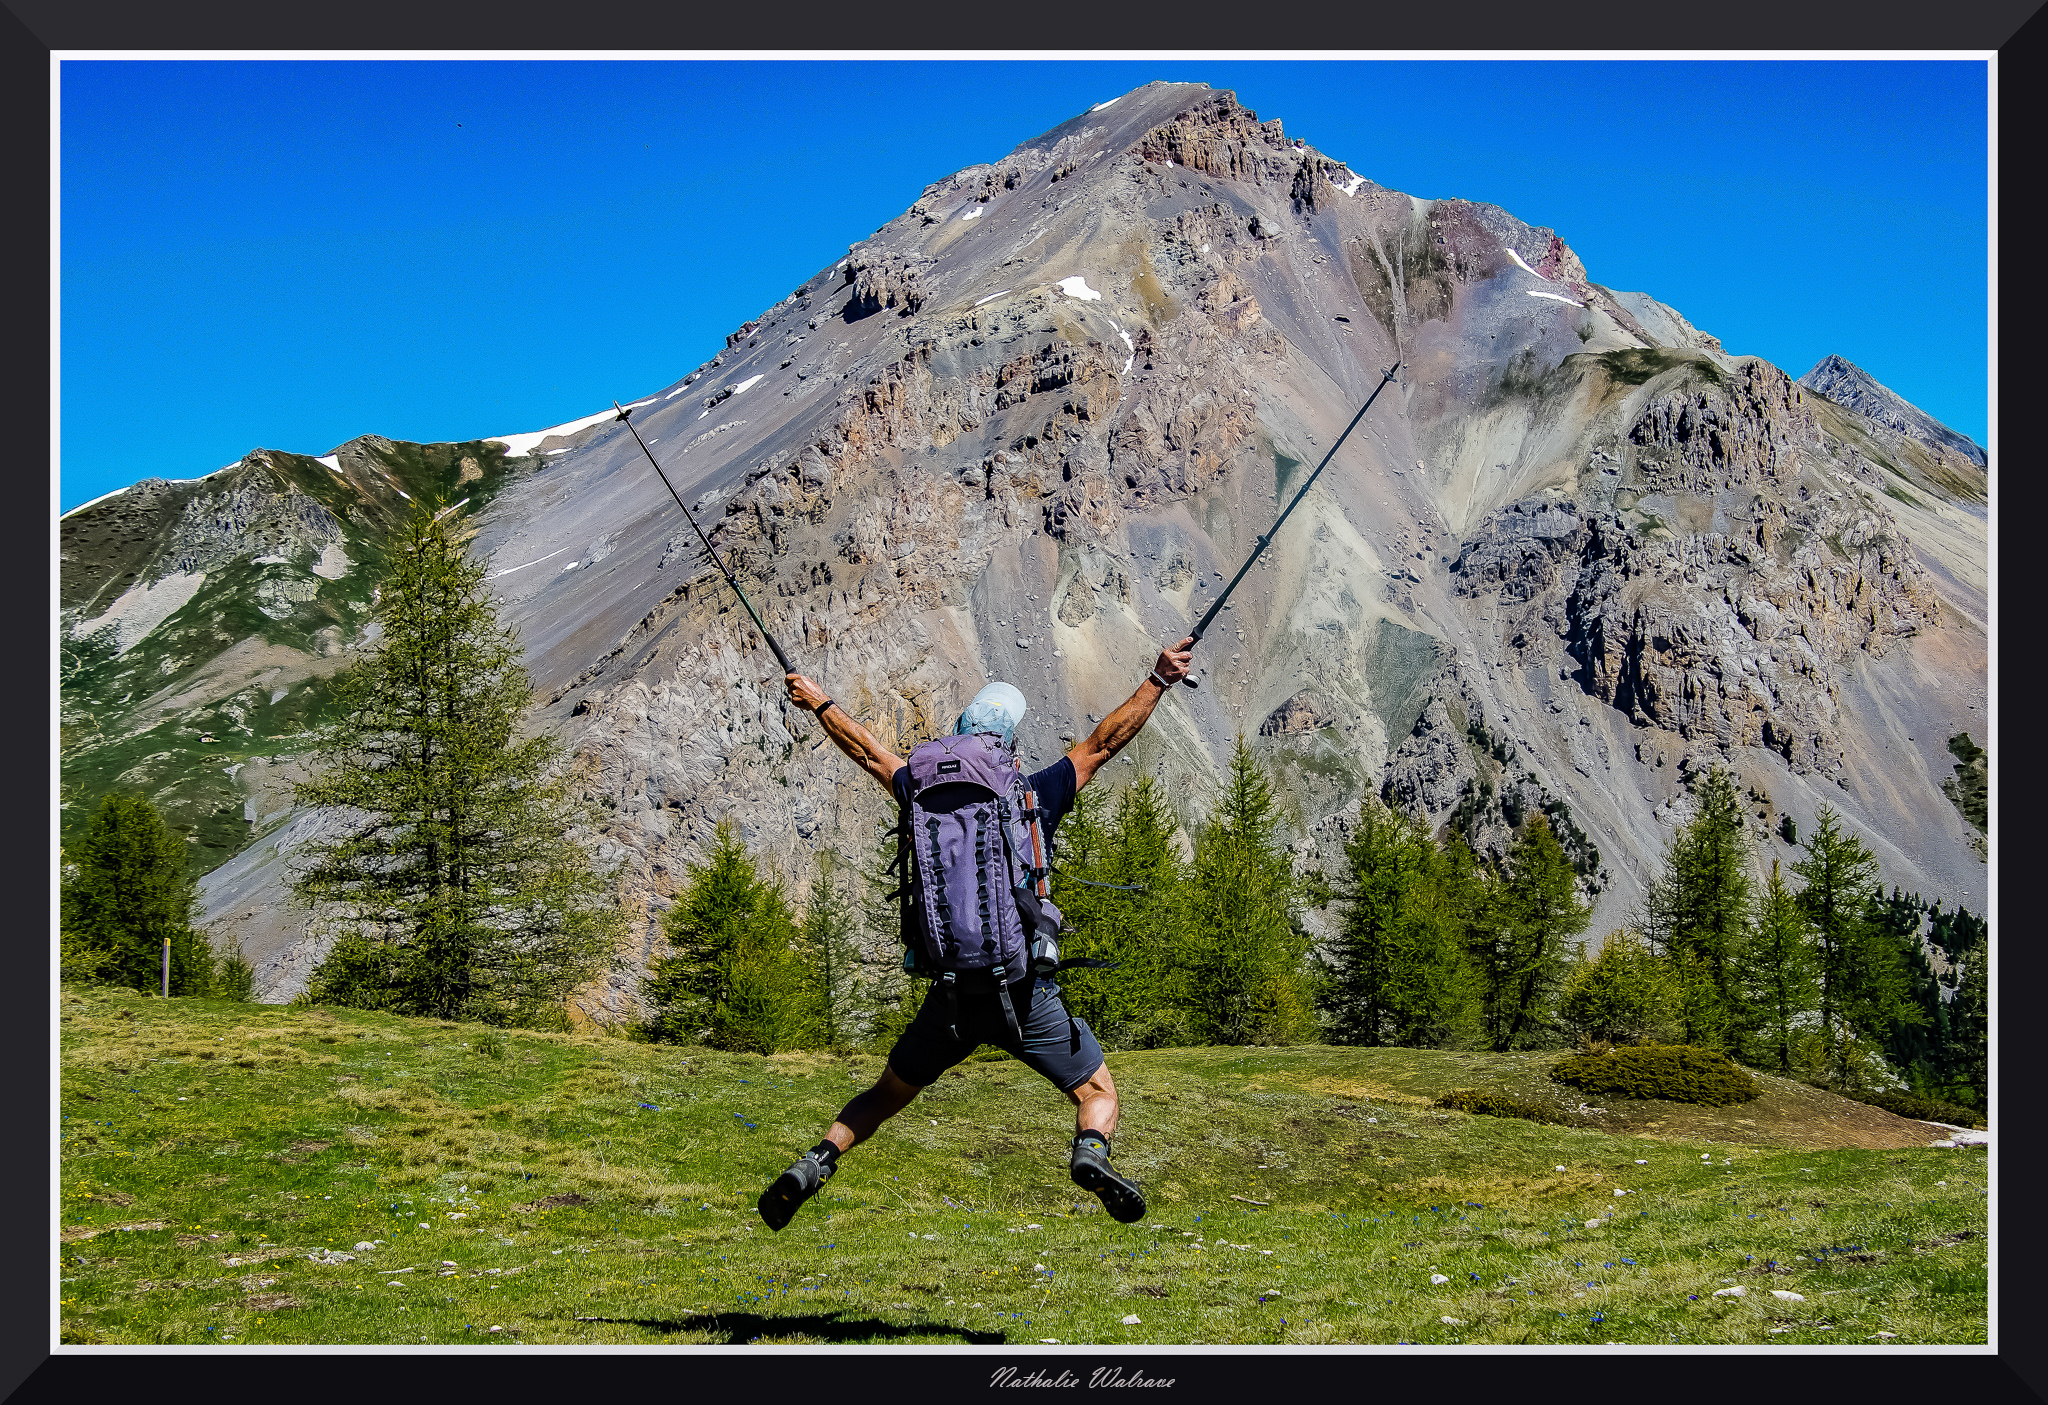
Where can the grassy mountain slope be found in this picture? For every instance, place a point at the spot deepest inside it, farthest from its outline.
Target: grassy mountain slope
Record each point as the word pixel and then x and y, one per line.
pixel 580 1189
pixel 238 678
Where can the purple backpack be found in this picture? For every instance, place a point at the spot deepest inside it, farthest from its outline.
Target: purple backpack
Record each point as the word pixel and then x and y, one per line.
pixel 977 865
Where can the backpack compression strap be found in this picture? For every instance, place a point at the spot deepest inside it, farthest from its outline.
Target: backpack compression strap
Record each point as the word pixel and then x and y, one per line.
pixel 1041 871
pixel 1041 885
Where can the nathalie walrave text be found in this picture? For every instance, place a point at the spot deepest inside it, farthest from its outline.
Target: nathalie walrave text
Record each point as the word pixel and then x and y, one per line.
pixel 1102 1378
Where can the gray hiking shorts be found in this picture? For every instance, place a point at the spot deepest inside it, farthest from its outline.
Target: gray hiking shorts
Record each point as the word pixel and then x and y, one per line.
pixel 1056 1044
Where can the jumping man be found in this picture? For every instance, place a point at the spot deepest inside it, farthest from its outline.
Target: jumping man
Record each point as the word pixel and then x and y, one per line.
pixel 1011 1007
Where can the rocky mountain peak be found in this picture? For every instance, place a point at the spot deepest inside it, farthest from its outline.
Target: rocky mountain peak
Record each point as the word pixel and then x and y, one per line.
pixel 1854 388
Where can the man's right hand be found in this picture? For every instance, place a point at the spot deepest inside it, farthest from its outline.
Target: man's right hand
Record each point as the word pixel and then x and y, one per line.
pixel 1173 662
pixel 804 693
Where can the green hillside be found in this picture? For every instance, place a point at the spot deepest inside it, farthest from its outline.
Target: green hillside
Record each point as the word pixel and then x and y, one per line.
pixel 576 1188
pixel 242 673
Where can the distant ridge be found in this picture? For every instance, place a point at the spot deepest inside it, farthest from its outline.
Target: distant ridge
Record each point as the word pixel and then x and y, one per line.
pixel 1849 385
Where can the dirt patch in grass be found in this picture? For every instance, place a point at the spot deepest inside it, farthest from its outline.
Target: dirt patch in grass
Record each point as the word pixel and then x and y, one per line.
pixel 77 1233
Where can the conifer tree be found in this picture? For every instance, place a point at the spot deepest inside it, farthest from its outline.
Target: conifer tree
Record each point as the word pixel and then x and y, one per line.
pixel 1970 1021
pixel 1622 994
pixel 733 978
pixel 126 890
pixel 1521 943
pixel 1863 984
pixel 453 884
pixel 826 942
pixel 1696 913
pixel 1918 1049
pixel 1120 886
pixel 892 993
pixel 1243 965
pixel 1396 970
pixel 1779 979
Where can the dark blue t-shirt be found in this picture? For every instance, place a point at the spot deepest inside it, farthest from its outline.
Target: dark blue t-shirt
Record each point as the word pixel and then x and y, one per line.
pixel 1054 787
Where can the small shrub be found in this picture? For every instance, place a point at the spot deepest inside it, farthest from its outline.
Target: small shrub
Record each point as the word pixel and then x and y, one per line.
pixel 233 977
pixel 1676 1073
pixel 1481 1103
pixel 490 1045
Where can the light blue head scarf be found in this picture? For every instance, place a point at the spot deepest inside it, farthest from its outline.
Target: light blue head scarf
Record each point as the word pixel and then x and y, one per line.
pixel 997 708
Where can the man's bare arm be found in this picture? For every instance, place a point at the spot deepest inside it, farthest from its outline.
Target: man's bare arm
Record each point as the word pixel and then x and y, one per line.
pixel 852 738
pixel 1117 729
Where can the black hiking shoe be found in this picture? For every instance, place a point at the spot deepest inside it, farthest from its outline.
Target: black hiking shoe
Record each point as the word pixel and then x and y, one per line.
pixel 792 1188
pixel 1093 1173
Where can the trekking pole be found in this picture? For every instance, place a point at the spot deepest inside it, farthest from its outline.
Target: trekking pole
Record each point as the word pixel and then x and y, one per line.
pixel 1199 630
pixel 780 657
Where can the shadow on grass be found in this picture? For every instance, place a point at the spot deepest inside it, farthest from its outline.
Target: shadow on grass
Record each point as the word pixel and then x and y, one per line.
pixel 739 1328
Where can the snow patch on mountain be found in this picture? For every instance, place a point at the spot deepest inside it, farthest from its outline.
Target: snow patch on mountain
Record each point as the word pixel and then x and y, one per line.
pixel 518 444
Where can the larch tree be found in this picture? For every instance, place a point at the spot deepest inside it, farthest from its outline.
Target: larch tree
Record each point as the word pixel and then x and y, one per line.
pixel 1522 942
pixel 1697 911
pixel 1396 971
pixel 1118 880
pixel 826 942
pixel 734 978
pixel 1621 994
pixel 126 891
pixel 1779 979
pixel 1863 982
pixel 452 882
pixel 1243 965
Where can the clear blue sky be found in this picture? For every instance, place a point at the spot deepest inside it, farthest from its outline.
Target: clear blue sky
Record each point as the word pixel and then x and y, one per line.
pixel 289 254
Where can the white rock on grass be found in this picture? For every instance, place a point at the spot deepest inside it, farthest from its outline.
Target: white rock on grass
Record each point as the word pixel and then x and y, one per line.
pixel 1452 1321
pixel 1131 1319
pixel 1786 1295
pixel 1731 1292
pixel 1437 1278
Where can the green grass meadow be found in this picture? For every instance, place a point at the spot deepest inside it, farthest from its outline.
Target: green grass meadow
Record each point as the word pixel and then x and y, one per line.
pixel 219 1160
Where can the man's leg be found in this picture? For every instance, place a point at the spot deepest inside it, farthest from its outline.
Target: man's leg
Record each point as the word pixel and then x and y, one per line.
pixel 1095 1103
pixel 1095 1112
pixel 858 1119
pixel 856 1122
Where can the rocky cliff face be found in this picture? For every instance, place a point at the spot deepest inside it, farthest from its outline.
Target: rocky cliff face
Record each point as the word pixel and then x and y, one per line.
pixel 1027 429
